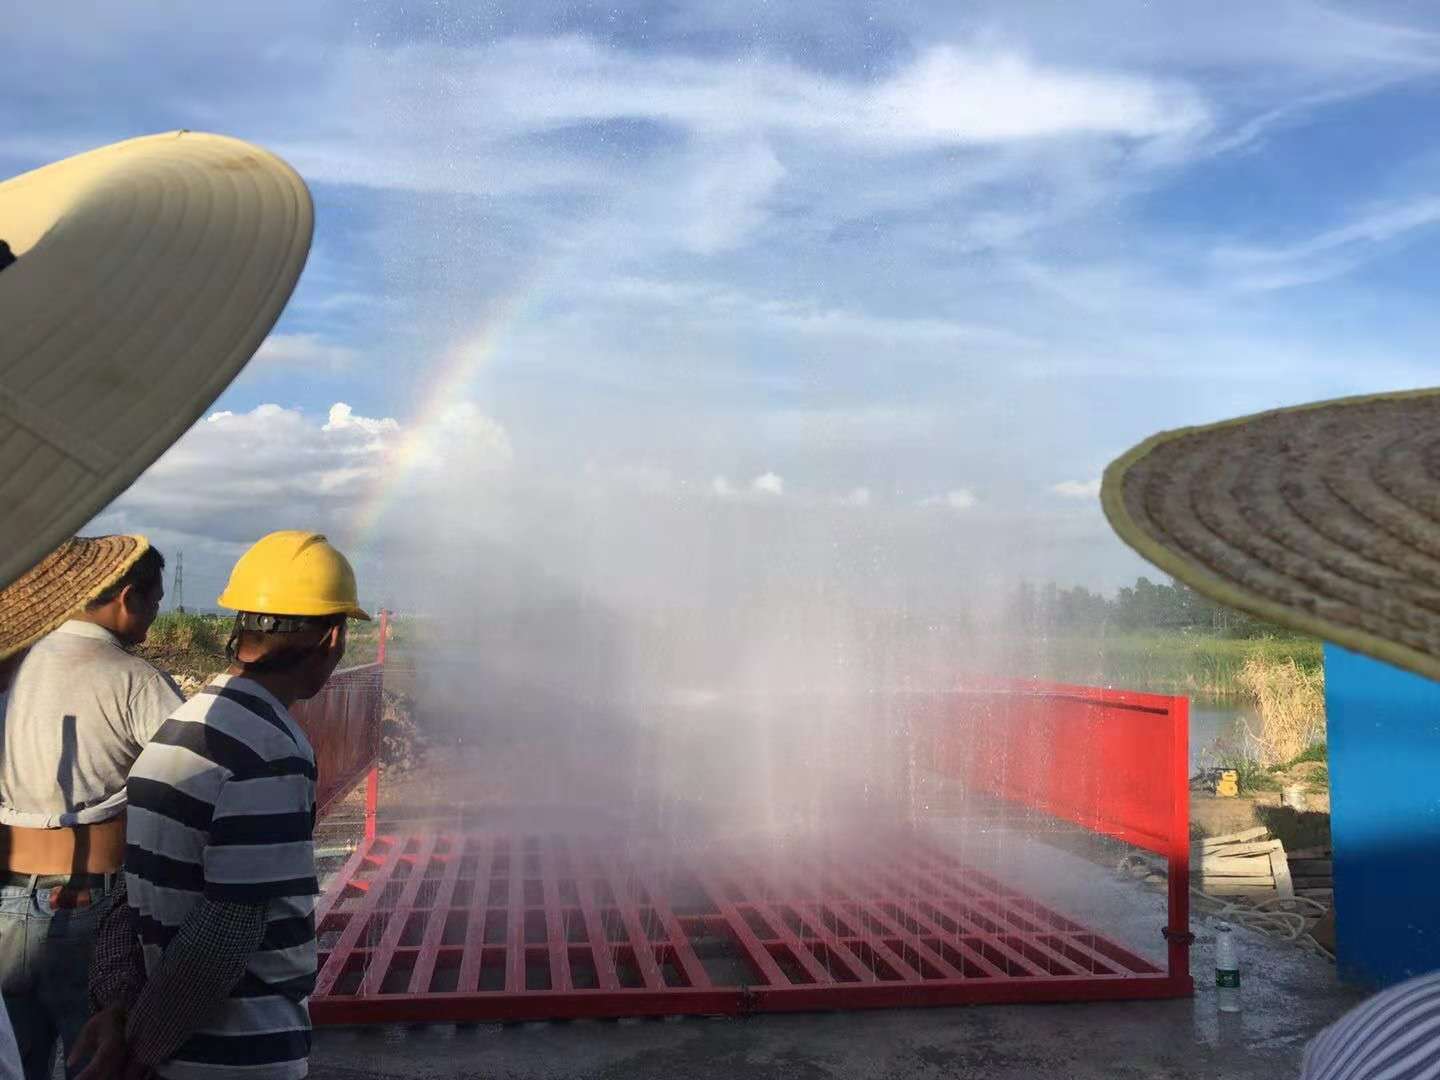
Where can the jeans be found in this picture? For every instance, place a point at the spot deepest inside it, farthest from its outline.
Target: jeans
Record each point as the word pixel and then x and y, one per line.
pixel 44 971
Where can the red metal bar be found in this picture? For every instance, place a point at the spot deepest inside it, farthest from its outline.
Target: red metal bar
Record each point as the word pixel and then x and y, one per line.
pixel 876 916
pixel 690 964
pixel 758 955
pixel 641 949
pixel 1178 857
pixel 515 912
pixel 345 879
pixel 441 905
pixel 601 954
pixel 384 636
pixel 350 936
pixel 472 955
pixel 372 800
pixel 556 924
pixel 382 954
pixel 961 915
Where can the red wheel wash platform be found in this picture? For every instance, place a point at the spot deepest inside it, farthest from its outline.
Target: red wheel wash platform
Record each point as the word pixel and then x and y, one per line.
pixel 503 926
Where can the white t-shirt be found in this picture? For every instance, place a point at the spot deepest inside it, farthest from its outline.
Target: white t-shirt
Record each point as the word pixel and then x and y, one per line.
pixel 76 716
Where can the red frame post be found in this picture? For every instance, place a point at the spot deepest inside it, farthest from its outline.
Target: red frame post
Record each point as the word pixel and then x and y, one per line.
pixel 1177 932
pixel 372 779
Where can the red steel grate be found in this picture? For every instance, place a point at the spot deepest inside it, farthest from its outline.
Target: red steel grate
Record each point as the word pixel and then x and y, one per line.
pixel 496 926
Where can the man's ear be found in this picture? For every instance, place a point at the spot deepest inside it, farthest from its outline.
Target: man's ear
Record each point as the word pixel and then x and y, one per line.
pixel 130 599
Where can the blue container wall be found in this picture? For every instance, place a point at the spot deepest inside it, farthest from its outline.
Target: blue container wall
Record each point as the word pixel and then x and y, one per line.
pixel 1384 737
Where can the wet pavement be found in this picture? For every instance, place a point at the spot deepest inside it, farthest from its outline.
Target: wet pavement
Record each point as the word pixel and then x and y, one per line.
pixel 1289 995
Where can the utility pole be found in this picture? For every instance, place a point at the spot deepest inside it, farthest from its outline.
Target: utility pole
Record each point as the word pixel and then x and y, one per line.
pixel 179 589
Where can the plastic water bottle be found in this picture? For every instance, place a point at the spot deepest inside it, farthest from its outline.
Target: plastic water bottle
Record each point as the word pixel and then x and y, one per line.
pixel 1227 970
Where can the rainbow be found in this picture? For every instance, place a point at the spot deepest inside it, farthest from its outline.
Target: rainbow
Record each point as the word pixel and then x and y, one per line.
pixel 447 380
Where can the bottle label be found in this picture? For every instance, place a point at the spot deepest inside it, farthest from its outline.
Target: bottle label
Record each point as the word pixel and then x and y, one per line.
pixel 1227 979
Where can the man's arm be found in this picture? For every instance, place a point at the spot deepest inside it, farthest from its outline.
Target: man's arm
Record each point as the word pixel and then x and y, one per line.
pixel 199 968
pixel 151 704
pixel 117 968
pixel 117 973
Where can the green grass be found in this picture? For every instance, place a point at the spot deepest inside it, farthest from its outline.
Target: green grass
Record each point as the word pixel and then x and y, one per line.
pixel 1165 663
pixel 1318 752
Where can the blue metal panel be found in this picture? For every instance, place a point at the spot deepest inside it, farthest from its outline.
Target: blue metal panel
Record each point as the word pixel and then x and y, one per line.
pixel 1384 736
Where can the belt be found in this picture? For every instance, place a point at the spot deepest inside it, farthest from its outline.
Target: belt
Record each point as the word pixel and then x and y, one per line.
pixel 13 880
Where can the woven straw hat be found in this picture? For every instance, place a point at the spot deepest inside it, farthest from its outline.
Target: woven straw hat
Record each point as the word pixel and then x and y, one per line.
pixel 62 583
pixel 146 274
pixel 1324 518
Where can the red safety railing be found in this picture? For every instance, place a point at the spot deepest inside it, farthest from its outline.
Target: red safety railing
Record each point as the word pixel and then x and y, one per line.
pixel 1113 762
pixel 343 723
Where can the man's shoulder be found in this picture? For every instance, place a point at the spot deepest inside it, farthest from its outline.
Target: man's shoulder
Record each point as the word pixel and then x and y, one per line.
pixel 102 658
pixel 264 726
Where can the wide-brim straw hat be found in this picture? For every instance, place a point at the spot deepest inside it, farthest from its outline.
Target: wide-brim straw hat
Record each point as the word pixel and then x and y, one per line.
pixel 146 274
pixel 61 584
pixel 1324 518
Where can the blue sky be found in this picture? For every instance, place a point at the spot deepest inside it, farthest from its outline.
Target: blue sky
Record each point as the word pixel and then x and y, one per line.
pixel 889 280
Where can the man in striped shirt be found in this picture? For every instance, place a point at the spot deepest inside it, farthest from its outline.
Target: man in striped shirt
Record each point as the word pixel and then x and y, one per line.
pixel 1394 1035
pixel 205 968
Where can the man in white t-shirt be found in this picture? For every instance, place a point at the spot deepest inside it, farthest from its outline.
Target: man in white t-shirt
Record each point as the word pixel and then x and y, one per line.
pixel 77 712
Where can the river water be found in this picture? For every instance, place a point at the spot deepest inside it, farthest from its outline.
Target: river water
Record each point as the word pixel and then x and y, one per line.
pixel 1213 720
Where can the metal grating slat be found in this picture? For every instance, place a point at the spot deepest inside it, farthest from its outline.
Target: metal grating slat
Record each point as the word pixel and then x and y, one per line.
pixel 533 926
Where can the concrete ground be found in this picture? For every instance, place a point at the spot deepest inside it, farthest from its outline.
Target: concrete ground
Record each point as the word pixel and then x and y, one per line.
pixel 1288 995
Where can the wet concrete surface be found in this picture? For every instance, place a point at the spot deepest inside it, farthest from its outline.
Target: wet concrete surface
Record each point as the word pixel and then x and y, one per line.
pixel 1289 995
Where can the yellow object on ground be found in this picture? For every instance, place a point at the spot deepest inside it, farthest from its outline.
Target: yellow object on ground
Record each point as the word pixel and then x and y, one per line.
pixel 293 572
pixel 1228 786
pixel 136 280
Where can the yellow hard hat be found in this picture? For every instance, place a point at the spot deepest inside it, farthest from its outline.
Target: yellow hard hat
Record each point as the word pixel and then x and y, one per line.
pixel 293 573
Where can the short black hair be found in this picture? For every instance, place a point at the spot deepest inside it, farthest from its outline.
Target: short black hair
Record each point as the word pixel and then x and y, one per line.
pixel 147 575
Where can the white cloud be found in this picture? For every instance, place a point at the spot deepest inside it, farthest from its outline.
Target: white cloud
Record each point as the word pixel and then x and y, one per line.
pixel 731 189
pixel 722 487
pixel 955 95
pixel 959 499
pixel 947 95
pixel 342 418
pixel 857 497
pixel 768 483
pixel 234 475
pixel 305 351
pixel 1077 489
pixel 1329 253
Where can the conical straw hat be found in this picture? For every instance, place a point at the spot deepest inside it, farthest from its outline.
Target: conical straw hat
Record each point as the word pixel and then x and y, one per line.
pixel 62 584
pixel 146 274
pixel 1324 518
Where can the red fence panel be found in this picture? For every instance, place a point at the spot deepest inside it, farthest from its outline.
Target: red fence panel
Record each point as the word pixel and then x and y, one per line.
pixel 1113 762
pixel 342 723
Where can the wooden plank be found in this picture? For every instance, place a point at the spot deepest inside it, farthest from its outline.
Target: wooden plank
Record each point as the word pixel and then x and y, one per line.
pixel 1317 881
pixel 1258 866
pixel 1311 867
pixel 1316 894
pixel 1283 885
pixel 1237 890
pixel 1310 853
pixel 1259 847
pixel 1234 838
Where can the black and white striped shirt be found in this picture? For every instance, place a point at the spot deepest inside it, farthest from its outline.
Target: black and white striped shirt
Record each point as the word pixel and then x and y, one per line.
pixel 222 805
pixel 1394 1035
